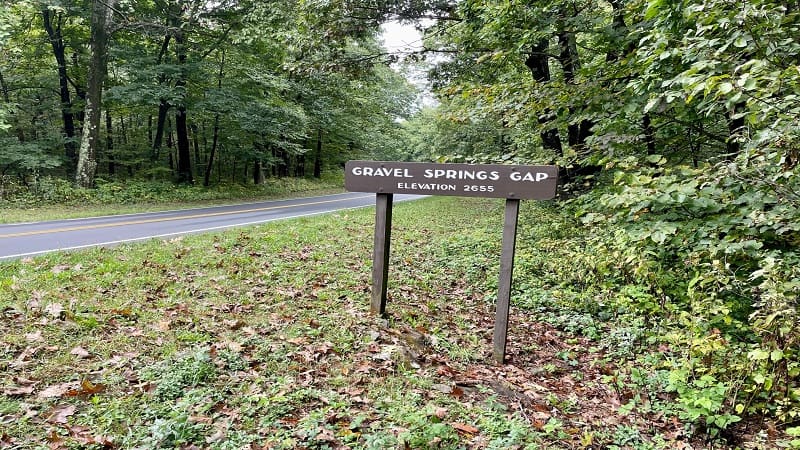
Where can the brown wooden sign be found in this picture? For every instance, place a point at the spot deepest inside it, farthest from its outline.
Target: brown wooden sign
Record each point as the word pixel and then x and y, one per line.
pixel 464 180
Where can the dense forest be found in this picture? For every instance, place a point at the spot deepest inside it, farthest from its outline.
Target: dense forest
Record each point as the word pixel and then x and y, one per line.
pixel 675 123
pixel 191 91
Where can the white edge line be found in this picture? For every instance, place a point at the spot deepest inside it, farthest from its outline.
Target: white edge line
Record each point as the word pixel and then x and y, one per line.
pixel 179 233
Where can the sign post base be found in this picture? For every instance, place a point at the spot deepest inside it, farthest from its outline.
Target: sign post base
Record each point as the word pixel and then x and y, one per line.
pixel 504 284
pixel 380 257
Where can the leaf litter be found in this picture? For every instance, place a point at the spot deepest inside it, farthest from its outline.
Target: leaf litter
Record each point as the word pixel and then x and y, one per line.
pixel 267 342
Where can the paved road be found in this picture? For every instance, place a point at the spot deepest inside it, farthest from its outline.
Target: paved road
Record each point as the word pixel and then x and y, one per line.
pixel 28 239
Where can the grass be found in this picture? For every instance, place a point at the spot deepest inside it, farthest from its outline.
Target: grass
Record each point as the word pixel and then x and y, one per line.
pixel 261 338
pixel 53 199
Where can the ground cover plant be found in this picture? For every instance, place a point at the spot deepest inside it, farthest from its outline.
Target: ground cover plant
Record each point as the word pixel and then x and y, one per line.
pixel 261 338
pixel 53 198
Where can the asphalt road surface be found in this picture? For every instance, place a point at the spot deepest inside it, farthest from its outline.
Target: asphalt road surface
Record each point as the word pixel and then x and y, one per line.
pixel 28 239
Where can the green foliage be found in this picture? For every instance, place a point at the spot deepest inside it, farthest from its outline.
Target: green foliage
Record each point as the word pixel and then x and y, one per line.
pixel 47 191
pixel 174 378
pixel 701 399
pixel 257 84
pixel 28 158
pixel 715 250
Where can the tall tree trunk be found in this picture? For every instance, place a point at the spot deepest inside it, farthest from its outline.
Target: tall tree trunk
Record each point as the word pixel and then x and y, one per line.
pixel 215 136
pixel 123 131
pixel 4 89
pixel 184 152
pixel 214 140
pixel 318 156
pixel 161 121
pixel 78 85
pixel 110 143
pixel 540 70
pixel 570 64
pixel 90 139
pixel 181 129
pixel 621 35
pixel 163 105
pixel 258 172
pixel 195 140
pixel 57 42
pixel 300 164
pixel 170 145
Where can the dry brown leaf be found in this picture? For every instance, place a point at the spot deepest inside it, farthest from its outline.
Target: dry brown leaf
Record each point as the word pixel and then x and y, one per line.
pixel 18 390
pixel 54 310
pixel 80 352
pixel 444 388
pixel 457 392
pixel 36 336
pixel 59 268
pixel 55 441
pixel 57 390
pixel 233 324
pixel 24 358
pixel 163 325
pixel 86 388
pixel 465 428
pixel 61 414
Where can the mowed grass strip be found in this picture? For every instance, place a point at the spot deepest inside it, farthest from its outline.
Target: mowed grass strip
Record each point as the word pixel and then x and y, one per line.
pixel 60 212
pixel 260 338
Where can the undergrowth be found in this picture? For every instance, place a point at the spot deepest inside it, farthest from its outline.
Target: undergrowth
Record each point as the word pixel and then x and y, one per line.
pixel 261 338
pixel 56 191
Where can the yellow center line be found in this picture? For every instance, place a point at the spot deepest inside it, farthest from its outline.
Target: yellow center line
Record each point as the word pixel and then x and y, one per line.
pixel 166 219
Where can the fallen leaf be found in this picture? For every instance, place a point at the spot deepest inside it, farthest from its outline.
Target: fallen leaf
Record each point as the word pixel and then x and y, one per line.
pixel 86 388
pixel 218 436
pixel 55 310
pixel 164 325
pixel 59 268
pixel 233 324
pixel 465 428
pixel 457 392
pixel 18 390
pixel 57 390
pixel 55 442
pixel 80 352
pixel 24 358
pixel 326 435
pixel 61 414
pixel 34 337
pixel 444 388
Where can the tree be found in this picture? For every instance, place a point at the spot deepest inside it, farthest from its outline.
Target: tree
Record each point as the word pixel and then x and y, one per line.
pixel 53 21
pixel 90 138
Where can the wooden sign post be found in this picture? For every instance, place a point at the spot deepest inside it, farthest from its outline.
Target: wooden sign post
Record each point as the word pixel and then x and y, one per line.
pixel 466 180
pixel 504 284
pixel 380 255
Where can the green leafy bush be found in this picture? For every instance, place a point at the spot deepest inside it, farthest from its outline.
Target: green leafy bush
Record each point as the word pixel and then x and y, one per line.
pixel 57 191
pixel 713 252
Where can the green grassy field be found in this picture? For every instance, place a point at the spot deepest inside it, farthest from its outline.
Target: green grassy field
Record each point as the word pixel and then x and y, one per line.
pixel 262 338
